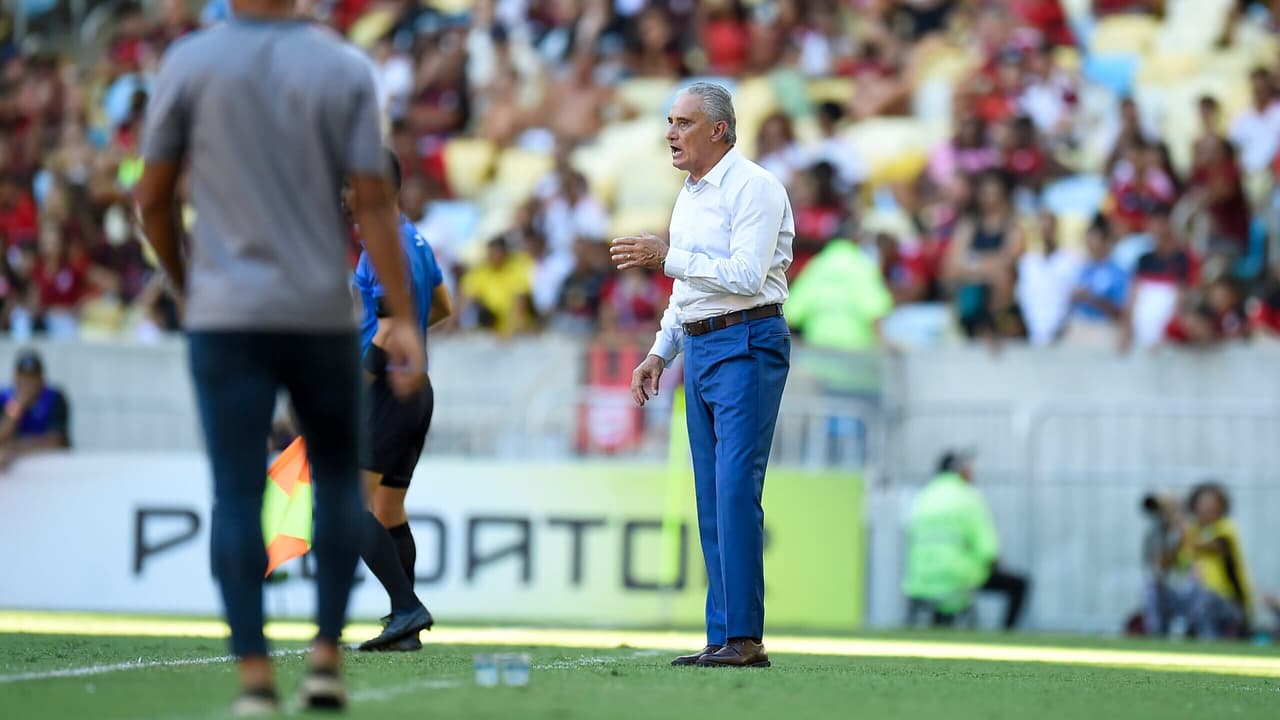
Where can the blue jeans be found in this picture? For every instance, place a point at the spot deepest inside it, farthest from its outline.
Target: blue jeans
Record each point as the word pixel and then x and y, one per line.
pixel 237 376
pixel 733 387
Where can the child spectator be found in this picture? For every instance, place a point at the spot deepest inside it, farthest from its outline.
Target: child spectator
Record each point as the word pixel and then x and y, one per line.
pixel 1098 300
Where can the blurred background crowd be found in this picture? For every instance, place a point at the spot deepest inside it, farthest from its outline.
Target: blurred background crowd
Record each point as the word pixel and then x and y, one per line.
pixel 1091 172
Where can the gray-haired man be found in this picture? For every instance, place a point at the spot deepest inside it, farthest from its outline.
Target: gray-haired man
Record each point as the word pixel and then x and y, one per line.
pixel 731 233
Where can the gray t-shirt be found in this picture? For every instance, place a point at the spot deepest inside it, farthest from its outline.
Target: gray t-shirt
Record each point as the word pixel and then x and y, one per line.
pixel 271 117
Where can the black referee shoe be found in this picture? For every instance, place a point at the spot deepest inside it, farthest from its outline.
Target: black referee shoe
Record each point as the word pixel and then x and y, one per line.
pixel 402 624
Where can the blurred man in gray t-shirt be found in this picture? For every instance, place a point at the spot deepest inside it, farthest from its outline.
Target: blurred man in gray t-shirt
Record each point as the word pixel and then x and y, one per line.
pixel 268 115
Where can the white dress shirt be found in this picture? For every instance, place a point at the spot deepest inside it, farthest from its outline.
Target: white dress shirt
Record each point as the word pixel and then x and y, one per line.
pixel 731 236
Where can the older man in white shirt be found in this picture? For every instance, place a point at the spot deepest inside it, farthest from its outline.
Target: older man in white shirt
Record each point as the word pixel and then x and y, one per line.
pixel 731 233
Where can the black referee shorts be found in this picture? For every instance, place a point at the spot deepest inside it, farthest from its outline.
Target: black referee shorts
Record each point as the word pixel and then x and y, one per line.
pixel 397 430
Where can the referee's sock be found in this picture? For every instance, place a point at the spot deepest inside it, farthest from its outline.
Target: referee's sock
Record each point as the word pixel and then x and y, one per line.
pixel 406 548
pixel 379 552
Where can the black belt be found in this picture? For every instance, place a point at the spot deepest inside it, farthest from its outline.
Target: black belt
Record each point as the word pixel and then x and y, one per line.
pixel 720 322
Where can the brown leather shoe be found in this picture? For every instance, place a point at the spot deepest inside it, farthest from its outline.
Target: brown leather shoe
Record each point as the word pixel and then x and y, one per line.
pixel 694 658
pixel 739 652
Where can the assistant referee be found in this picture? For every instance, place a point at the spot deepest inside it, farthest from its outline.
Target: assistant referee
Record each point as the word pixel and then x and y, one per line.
pixel 397 429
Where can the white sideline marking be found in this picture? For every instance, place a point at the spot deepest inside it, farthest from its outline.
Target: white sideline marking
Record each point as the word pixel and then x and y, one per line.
pixel 139 664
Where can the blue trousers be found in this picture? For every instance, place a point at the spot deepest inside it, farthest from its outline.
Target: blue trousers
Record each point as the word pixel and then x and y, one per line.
pixel 237 376
pixel 733 387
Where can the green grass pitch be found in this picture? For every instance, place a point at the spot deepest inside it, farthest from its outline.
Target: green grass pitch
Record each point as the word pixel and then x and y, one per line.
pixel 108 674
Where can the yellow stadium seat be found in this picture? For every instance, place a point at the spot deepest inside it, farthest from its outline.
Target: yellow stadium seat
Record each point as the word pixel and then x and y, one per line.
pixel 632 222
pixel 1123 34
pixel 366 31
pixel 648 95
pixel 647 182
pixel 837 90
pixel 450 7
pixel 518 171
pixel 890 221
pixel 101 318
pixel 946 63
pixel 1231 61
pixel 883 140
pixel 900 168
pixel 468 163
pixel 1168 67
pixel 1067 59
pixel 599 167
pixel 1072 228
pixel 753 101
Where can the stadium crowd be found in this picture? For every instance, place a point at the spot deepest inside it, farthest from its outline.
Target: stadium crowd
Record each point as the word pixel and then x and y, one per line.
pixel 1097 173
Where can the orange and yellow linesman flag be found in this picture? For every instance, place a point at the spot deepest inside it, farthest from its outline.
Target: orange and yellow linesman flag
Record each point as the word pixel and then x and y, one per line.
pixel 286 507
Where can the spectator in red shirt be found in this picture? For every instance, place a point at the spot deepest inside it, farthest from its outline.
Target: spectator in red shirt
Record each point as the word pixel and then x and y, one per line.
pixel 1160 285
pixel 1023 156
pixel 998 89
pixel 907 272
pixel 129 45
pixel 1220 316
pixel 174 22
pixel 1139 185
pixel 819 212
pixel 1048 17
pixel 61 277
pixel 632 301
pixel 18 222
pixel 726 36
pixel 1264 310
pixel 1217 186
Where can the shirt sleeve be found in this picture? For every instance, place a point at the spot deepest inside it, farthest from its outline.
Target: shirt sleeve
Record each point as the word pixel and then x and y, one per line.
pixel 168 120
pixel 753 239
pixel 364 153
pixel 670 340
pixel 366 280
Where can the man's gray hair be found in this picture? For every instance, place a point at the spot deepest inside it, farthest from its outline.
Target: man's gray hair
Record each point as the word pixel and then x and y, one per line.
pixel 717 105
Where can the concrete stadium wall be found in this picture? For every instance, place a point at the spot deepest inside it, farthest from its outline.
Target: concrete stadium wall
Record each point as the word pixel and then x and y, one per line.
pixel 1068 441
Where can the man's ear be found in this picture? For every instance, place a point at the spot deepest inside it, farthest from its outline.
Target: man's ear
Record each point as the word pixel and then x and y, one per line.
pixel 718 130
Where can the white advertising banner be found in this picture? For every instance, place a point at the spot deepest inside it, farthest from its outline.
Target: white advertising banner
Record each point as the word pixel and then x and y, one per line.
pixel 533 542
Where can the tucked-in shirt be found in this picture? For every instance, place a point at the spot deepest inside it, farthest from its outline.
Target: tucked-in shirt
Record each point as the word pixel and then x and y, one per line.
pixel 271 116
pixel 731 236
pixel 423 276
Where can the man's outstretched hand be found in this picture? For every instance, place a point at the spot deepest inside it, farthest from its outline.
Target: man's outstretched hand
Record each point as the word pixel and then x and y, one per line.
pixel 644 381
pixel 646 250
